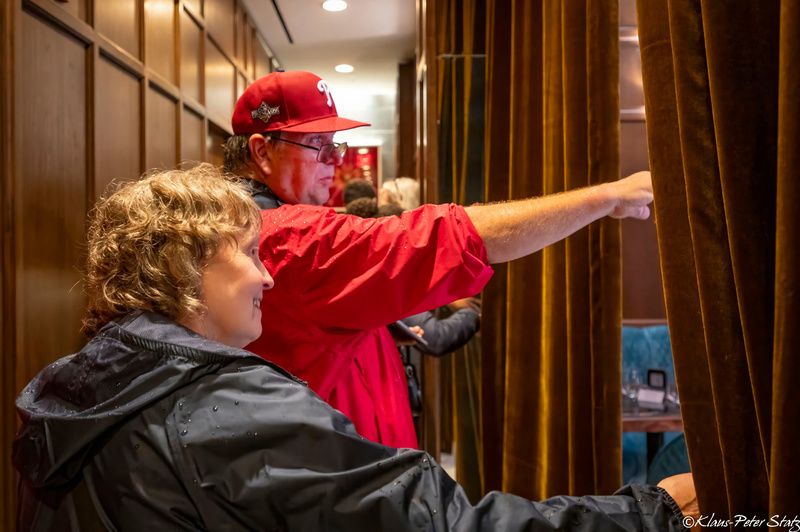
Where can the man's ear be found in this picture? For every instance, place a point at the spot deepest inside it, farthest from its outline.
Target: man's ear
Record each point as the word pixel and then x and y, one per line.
pixel 260 154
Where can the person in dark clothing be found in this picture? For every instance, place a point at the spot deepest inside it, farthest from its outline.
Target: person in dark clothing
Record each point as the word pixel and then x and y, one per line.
pixel 389 209
pixel 362 207
pixel 162 421
pixel 358 188
pixel 447 334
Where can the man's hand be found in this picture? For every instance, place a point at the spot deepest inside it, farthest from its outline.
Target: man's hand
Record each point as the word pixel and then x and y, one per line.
pixel 681 489
pixel 632 195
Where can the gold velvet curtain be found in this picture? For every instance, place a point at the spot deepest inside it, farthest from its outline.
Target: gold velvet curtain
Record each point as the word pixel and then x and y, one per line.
pixel 461 64
pixel 545 390
pixel 722 94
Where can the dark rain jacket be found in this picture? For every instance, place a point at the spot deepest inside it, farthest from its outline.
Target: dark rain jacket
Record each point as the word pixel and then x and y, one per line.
pixel 445 335
pixel 152 427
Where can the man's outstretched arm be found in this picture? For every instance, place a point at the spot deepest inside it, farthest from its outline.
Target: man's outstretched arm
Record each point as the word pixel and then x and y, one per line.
pixel 518 228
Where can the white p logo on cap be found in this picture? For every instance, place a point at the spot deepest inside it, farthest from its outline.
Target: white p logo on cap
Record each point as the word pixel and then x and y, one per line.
pixel 323 88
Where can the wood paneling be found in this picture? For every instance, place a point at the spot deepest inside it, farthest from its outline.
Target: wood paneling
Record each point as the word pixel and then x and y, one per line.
pixel 50 195
pixel 160 37
pixel 192 136
pixel 191 54
pixel 631 94
pixel 219 17
pixel 8 386
pixel 118 20
pixel 162 120
pixel 251 52
pixel 241 85
pixel 242 37
pixel 216 138
pixel 406 134
pixel 262 59
pixel 76 8
pixel 118 129
pixel 195 5
pixel 642 294
pixel 219 84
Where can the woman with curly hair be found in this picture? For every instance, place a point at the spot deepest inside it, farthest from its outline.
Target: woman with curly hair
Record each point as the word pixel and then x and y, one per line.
pixel 163 422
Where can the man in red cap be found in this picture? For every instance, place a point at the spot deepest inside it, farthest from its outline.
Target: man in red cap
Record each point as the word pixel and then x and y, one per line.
pixel 340 279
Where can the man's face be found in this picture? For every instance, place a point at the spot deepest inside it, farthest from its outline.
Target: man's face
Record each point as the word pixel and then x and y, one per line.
pixel 297 176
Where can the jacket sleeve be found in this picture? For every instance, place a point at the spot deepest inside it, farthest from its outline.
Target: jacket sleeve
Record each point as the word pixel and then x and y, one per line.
pixel 351 273
pixel 273 456
pixel 447 334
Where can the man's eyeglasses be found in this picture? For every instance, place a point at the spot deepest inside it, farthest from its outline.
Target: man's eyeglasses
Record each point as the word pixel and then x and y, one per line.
pixel 332 153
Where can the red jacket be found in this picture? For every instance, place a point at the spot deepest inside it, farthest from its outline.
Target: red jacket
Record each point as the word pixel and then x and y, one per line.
pixel 339 280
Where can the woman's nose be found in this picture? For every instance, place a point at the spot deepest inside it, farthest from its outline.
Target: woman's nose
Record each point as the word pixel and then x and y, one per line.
pixel 269 282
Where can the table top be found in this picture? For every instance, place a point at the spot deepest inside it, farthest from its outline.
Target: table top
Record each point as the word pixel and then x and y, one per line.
pixel 651 421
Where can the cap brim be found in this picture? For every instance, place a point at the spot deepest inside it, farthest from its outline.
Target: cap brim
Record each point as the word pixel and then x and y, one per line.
pixel 324 125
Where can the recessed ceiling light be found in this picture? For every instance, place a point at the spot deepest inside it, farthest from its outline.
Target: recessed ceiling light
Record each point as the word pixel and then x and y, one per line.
pixel 334 5
pixel 344 68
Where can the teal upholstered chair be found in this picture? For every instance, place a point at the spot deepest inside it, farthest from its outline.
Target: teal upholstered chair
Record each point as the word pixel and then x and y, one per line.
pixel 671 459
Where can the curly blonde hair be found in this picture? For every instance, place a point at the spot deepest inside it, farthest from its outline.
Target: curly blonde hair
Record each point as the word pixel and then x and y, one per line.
pixel 150 239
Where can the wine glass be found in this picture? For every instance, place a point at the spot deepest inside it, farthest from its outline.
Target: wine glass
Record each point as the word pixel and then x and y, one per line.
pixel 631 385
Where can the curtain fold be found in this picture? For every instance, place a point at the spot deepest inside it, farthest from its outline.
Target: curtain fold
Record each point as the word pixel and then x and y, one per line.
pixel 547 371
pixel 785 463
pixel 551 354
pixel 461 63
pixel 714 75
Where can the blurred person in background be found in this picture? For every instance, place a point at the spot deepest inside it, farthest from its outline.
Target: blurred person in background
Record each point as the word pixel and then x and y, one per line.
pixel 402 191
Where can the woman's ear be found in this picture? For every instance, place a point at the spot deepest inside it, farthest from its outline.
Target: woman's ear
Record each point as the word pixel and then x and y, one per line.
pixel 260 154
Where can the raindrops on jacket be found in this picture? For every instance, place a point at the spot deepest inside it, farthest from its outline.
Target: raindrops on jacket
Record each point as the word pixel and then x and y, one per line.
pixel 215 408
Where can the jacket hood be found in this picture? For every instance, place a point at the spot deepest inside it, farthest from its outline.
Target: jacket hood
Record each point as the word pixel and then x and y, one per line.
pixel 130 364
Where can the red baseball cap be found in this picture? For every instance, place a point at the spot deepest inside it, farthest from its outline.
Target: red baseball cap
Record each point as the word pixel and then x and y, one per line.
pixel 295 101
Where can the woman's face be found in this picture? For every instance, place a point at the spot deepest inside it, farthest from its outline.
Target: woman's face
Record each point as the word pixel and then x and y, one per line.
pixel 232 285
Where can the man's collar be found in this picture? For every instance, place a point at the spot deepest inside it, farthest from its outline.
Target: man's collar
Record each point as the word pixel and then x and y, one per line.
pixel 264 197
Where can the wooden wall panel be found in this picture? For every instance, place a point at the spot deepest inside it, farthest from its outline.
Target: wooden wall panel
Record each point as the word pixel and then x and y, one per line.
pixel 219 17
pixel 642 293
pixel 8 383
pixel 406 132
pixel 219 84
pixel 119 21
pixel 50 195
pixel 216 138
pixel 195 5
pixel 241 85
pixel 191 54
pixel 242 37
pixel 262 59
pixel 78 9
pixel 162 120
pixel 160 37
pixel 118 153
pixel 192 136
pixel 252 44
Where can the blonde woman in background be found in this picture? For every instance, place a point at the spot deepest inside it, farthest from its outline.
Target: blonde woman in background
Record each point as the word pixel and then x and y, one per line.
pixel 402 191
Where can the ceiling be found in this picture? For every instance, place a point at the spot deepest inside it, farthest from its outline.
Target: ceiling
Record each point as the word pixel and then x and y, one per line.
pixel 372 35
